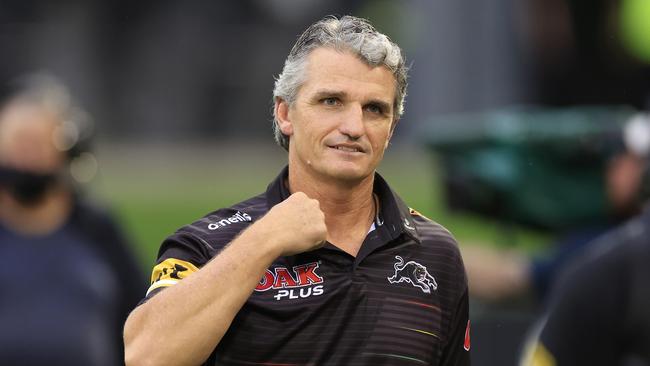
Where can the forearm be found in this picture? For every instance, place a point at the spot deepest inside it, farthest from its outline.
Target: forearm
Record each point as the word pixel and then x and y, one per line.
pixel 184 323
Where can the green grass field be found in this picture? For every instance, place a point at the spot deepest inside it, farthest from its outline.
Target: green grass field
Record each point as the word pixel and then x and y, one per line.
pixel 158 188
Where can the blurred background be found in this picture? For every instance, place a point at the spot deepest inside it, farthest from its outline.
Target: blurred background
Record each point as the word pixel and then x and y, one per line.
pixel 514 126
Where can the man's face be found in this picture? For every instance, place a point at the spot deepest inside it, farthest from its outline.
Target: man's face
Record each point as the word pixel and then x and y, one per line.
pixel 27 139
pixel 342 119
pixel 27 148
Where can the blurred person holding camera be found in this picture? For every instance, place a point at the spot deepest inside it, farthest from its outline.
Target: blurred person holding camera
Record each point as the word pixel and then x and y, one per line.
pixel 328 266
pixel 499 275
pixel 598 310
pixel 68 276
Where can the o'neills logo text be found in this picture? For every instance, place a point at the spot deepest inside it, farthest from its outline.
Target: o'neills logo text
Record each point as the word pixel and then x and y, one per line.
pixel 238 217
pixel 294 284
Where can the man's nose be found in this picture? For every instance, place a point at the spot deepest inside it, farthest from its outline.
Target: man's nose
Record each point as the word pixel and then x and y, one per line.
pixel 352 122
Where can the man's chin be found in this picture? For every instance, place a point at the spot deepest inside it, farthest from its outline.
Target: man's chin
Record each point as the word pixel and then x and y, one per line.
pixel 348 174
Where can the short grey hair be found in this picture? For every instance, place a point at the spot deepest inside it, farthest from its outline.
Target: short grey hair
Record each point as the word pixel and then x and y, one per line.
pixel 348 33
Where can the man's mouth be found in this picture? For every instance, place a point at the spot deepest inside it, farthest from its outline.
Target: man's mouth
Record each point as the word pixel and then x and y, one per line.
pixel 348 148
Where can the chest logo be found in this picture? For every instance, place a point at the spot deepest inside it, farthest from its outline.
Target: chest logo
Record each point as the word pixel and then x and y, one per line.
pixel 292 284
pixel 414 273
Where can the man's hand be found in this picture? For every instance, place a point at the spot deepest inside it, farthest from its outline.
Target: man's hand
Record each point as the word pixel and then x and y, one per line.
pixel 295 225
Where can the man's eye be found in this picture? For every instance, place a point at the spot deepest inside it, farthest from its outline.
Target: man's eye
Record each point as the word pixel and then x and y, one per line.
pixel 330 101
pixel 372 108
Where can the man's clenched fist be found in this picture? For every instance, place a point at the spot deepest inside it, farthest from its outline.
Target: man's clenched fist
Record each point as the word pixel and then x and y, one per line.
pixel 295 225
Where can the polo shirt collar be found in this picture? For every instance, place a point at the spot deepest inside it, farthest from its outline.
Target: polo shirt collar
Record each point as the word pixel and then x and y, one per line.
pixel 394 216
pixel 278 191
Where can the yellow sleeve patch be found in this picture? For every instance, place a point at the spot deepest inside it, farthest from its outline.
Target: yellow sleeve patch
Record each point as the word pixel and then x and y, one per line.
pixel 169 272
pixel 541 356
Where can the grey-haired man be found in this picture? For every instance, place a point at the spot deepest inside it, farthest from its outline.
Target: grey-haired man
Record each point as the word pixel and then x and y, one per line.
pixel 328 266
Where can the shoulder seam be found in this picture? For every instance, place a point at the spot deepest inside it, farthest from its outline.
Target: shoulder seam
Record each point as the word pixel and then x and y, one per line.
pixel 198 238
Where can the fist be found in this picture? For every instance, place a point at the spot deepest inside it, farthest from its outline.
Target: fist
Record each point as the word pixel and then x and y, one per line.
pixel 296 224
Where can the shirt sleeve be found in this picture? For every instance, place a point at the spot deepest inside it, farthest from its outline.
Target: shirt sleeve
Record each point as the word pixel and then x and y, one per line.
pixel 194 245
pixel 180 255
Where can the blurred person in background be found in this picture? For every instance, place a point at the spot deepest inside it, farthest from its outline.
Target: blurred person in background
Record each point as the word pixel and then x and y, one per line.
pixel 598 313
pixel 328 266
pixel 68 276
pixel 498 275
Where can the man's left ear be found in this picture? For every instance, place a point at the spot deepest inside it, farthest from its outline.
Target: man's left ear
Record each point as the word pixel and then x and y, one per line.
pixel 282 117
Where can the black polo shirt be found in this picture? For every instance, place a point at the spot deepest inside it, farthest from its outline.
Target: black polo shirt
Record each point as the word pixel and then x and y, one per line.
pixel 401 301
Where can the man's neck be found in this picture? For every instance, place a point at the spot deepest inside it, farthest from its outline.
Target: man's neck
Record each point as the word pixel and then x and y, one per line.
pixel 349 207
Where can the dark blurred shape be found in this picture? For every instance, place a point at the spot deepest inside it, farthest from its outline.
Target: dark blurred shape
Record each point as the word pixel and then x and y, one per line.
pixel 26 187
pixel 598 313
pixel 579 52
pixel 68 277
pixel 532 166
pixel 574 172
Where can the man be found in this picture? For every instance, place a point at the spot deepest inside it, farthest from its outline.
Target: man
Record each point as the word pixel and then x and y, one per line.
pixel 68 277
pixel 599 310
pixel 328 266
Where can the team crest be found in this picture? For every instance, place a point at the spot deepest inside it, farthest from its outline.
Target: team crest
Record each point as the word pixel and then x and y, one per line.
pixel 414 273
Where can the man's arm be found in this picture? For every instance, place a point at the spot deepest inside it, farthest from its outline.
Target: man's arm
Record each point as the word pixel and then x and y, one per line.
pixel 184 323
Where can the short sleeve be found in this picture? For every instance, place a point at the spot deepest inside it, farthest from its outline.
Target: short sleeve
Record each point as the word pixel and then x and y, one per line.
pixel 180 255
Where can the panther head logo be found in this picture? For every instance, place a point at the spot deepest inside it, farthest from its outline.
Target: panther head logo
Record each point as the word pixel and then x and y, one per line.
pixel 414 273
